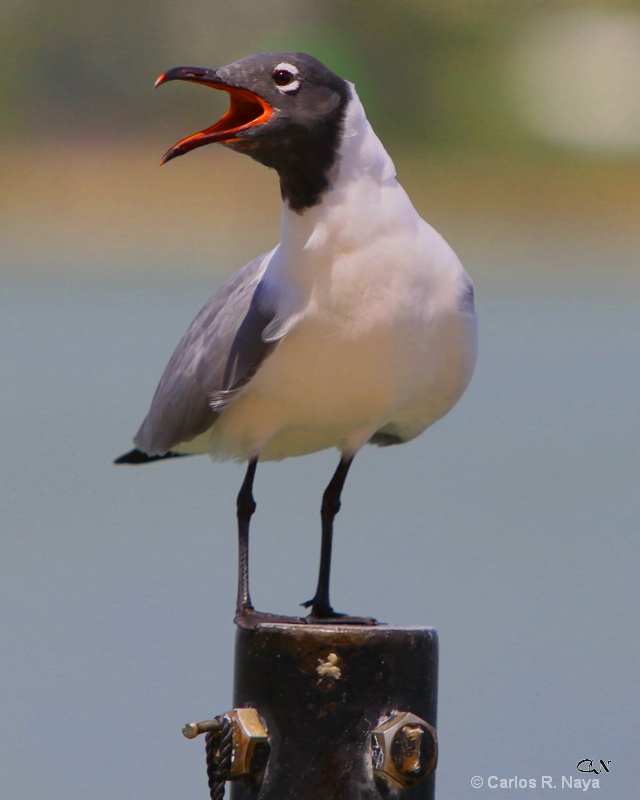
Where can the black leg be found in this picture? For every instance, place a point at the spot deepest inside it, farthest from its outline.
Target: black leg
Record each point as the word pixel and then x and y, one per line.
pixel 321 610
pixel 320 605
pixel 246 505
pixel 246 615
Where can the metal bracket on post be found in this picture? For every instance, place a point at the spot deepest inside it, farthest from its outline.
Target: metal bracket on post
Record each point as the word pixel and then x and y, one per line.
pixel 248 751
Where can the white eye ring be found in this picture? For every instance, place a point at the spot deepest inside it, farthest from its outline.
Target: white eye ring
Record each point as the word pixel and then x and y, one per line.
pixel 294 84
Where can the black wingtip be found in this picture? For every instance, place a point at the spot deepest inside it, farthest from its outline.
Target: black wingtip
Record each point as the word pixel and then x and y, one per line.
pixel 133 457
pixel 138 457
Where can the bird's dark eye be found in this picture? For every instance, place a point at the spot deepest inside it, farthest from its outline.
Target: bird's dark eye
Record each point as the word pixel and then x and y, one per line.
pixel 282 77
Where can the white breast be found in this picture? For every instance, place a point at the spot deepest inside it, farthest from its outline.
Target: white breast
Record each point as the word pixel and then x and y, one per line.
pixel 378 334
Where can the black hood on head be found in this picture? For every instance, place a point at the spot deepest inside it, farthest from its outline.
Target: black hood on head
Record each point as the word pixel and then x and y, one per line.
pixel 287 111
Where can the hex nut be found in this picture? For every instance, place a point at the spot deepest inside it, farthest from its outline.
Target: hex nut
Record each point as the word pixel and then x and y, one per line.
pixel 404 749
pixel 250 743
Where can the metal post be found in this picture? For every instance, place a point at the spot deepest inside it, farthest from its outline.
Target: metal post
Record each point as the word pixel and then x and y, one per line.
pixel 349 711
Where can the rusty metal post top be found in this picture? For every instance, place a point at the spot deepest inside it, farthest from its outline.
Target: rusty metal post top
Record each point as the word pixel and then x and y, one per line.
pixel 328 628
pixel 350 710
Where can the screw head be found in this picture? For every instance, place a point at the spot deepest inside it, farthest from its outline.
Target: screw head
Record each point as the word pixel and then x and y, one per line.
pixel 404 749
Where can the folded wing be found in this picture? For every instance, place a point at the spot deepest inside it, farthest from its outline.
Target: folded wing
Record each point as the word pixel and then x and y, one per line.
pixel 218 355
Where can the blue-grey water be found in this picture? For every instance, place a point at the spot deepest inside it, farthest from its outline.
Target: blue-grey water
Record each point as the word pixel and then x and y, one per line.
pixel 511 526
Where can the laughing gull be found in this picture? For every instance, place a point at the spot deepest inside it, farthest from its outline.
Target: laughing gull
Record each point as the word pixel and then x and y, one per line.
pixel 359 327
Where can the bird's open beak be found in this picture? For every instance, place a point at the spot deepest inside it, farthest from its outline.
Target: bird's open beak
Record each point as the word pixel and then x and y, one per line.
pixel 246 110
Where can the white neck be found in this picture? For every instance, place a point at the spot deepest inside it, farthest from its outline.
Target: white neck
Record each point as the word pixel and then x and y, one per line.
pixel 361 152
pixel 362 169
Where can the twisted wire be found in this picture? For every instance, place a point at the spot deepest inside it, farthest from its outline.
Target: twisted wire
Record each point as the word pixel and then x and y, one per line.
pixel 218 751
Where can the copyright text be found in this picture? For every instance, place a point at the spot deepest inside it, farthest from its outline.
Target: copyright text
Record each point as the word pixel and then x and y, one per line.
pixel 543 782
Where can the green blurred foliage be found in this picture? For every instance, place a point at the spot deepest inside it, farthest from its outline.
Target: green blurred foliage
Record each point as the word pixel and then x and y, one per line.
pixel 430 71
pixel 452 87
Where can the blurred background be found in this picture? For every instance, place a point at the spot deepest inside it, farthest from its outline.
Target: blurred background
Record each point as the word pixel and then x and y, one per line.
pixel 511 526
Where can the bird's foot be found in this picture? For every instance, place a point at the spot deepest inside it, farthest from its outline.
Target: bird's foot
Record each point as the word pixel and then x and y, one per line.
pixel 339 619
pixel 248 618
pixel 323 614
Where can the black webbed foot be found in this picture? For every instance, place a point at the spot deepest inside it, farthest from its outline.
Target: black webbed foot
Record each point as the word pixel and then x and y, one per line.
pixel 323 614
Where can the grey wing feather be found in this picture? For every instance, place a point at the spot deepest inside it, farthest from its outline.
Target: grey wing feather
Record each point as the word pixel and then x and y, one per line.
pixel 220 352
